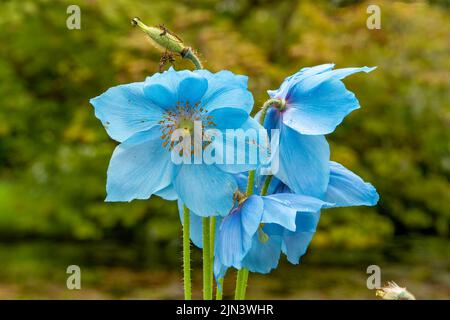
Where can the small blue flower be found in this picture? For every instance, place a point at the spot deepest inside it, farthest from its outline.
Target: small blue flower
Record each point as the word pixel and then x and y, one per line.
pixel 312 103
pixel 142 116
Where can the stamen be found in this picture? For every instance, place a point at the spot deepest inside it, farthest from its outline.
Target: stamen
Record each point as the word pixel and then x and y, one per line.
pixel 182 116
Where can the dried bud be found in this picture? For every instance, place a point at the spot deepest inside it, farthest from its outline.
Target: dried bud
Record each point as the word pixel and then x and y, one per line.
pixel 393 292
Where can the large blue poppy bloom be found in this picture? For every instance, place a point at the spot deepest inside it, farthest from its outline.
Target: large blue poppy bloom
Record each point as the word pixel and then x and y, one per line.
pixel 312 103
pixel 142 116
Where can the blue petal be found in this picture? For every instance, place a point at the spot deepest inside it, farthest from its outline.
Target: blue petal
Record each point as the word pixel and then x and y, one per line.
pixel 192 89
pixel 205 189
pixel 290 81
pixel 304 163
pixel 170 79
pixel 238 148
pixel 282 208
pixel 234 237
pixel 272 119
pixel 263 255
pixel 161 96
pixel 319 103
pixel 296 243
pixel 124 110
pixel 251 214
pixel 226 90
pixel 277 212
pixel 139 167
pixel 225 76
pixel 241 180
pixel 168 193
pixel 347 189
pixel 312 81
pixel 219 271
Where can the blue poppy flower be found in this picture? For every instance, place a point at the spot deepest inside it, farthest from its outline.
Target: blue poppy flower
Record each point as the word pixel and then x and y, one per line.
pixel 312 103
pixel 245 238
pixel 287 223
pixel 142 116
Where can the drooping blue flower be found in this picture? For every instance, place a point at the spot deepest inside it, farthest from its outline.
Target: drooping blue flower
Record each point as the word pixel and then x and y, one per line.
pixel 142 116
pixel 312 103
pixel 244 239
pixel 287 224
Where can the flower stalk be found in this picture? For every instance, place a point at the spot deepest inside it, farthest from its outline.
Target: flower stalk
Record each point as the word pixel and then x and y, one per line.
pixel 242 277
pixel 186 255
pixel 207 266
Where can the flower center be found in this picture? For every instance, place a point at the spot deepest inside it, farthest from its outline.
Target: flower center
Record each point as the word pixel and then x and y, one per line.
pixel 185 117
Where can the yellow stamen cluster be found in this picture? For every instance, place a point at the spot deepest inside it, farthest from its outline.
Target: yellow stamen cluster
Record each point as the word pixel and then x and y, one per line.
pixel 183 116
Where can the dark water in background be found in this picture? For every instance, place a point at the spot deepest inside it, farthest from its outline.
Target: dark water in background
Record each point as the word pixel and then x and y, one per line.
pixel 37 270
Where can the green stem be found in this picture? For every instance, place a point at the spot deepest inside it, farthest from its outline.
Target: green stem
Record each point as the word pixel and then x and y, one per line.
pixel 218 291
pixel 189 54
pixel 186 255
pixel 266 185
pixel 237 293
pixel 207 270
pixel 212 227
pixel 244 283
pixel 250 183
pixel 242 276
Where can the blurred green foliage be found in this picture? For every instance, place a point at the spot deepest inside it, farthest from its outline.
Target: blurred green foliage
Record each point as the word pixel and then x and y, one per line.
pixel 54 153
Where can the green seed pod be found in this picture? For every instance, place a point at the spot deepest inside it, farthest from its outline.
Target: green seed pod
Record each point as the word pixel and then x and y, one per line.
pixel 164 40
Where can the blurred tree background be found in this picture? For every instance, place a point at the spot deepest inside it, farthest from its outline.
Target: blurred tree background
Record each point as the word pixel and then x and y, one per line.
pixel 54 153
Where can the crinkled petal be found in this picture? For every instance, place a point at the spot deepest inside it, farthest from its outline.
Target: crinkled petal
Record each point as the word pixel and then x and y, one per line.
pixel 124 110
pixel 205 189
pixel 304 162
pixel 282 208
pixel 320 103
pixel 224 76
pixel 239 142
pixel 139 167
pixel 161 96
pixel 220 271
pixel 234 237
pixel 310 82
pixel 192 89
pixel 263 255
pixel 296 243
pixel 226 90
pixel 297 77
pixel 348 189
pixel 168 193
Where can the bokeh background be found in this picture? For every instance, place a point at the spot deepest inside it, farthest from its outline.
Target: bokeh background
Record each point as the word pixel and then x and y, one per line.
pixel 54 153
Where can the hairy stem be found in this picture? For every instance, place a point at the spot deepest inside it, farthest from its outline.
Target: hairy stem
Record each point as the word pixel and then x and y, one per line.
pixel 207 270
pixel 219 289
pixel 212 228
pixel 186 255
